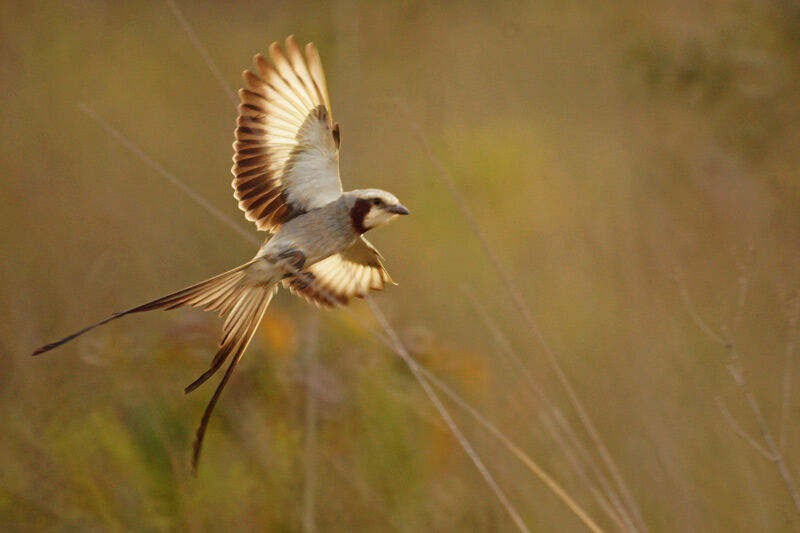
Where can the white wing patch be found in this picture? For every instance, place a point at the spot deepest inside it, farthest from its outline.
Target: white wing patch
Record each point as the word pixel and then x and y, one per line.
pixel 286 158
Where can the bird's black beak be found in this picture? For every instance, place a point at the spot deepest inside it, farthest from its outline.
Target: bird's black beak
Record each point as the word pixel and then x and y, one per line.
pixel 398 209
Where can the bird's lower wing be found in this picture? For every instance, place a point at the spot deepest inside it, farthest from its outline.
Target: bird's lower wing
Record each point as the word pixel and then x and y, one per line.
pixel 340 277
pixel 218 294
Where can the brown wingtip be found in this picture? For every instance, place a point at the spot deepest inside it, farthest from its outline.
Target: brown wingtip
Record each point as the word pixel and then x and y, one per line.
pixel 254 83
pixel 259 60
pixel 275 48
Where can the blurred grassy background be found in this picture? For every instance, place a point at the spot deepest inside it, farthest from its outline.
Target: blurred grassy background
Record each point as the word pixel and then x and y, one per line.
pixel 602 146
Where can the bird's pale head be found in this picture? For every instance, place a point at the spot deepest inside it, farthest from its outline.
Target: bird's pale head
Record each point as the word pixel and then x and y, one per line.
pixel 370 208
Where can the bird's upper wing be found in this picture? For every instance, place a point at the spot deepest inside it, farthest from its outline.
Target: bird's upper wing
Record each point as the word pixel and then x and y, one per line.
pixel 336 279
pixel 286 158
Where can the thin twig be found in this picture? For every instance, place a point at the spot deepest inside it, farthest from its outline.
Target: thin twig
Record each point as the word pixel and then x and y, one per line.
pixel 566 448
pixel 519 301
pixel 182 186
pixel 203 52
pixel 692 310
pixel 766 433
pixel 739 430
pixel 739 375
pixel 534 386
pixel 561 421
pixel 743 282
pixel 515 450
pixel 503 341
pixel 416 370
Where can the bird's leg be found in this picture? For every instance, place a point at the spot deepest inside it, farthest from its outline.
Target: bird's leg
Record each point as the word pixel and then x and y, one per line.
pixel 302 280
pixel 295 258
pixel 293 262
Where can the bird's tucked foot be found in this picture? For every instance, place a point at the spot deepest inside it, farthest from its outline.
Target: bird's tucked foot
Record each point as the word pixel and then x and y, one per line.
pixel 302 280
pixel 291 260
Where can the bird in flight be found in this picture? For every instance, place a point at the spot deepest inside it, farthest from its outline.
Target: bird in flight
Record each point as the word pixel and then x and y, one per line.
pixel 286 180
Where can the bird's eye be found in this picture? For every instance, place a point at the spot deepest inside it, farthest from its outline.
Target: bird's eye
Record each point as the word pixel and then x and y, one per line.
pixel 377 201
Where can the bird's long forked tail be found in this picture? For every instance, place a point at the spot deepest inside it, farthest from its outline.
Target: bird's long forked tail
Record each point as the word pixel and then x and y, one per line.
pixel 231 294
pixel 211 294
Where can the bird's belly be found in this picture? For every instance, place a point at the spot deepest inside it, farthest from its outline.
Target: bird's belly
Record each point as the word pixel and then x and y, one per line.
pixel 314 248
pixel 317 250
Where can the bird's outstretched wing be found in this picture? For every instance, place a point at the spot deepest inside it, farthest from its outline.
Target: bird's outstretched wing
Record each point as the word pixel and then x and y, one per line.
pixel 286 158
pixel 336 279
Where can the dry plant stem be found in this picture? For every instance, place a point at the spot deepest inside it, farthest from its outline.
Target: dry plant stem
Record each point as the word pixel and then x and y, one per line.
pixel 504 343
pixel 566 448
pixel 312 346
pixel 416 370
pixel 516 297
pixel 562 422
pixel 203 52
pixel 739 430
pixel 738 373
pixel 506 347
pixel 772 446
pixel 537 470
pixel 690 308
pixel 185 189
pixel 786 395
pixel 514 449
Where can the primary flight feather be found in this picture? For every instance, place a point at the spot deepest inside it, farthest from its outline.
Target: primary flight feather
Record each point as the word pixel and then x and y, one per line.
pixel 286 180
